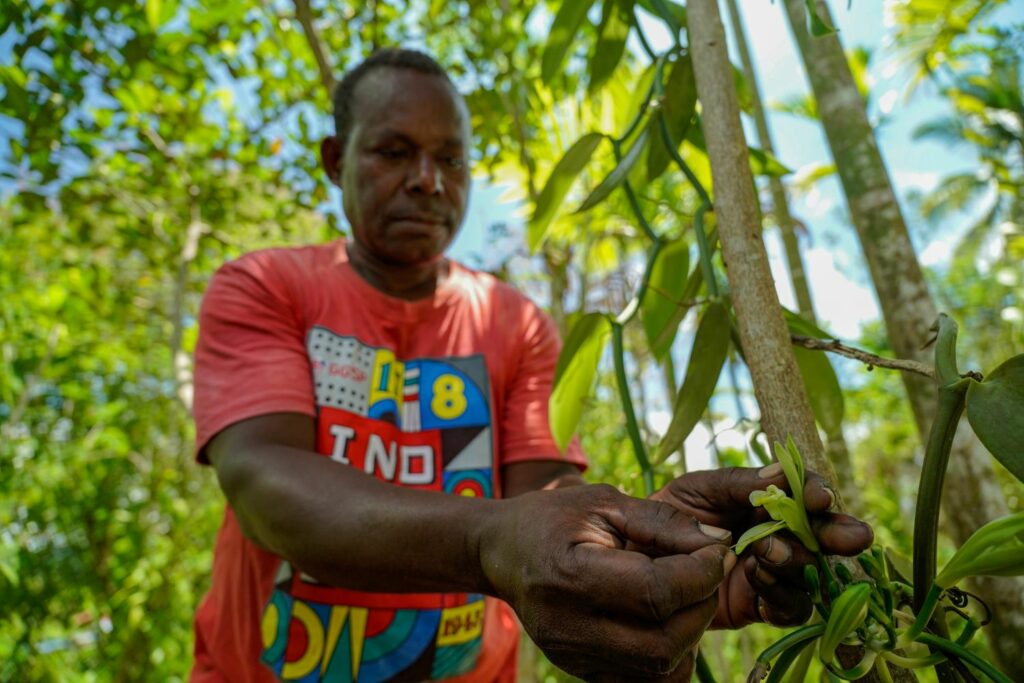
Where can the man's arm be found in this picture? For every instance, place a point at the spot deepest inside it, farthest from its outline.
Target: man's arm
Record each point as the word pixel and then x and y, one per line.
pixel 340 525
pixel 535 475
pixel 558 557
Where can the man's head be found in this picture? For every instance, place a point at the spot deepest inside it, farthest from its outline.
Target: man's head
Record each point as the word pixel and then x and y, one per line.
pixel 400 156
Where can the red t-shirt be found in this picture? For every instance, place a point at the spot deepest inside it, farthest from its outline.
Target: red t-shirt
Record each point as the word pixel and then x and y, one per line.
pixel 437 393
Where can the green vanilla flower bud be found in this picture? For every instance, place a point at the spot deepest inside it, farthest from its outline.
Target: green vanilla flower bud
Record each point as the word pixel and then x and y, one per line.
pixel 756 533
pixel 849 611
pixel 782 508
pixel 996 549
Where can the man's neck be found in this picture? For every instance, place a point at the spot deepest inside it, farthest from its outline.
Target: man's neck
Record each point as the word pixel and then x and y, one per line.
pixel 409 282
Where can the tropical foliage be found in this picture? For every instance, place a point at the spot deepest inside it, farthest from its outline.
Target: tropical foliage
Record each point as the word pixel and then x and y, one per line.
pixel 146 143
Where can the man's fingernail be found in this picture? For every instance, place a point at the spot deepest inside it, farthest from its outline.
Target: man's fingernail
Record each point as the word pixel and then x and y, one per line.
pixel 778 550
pixel 714 532
pixel 831 496
pixel 729 562
pixel 763 576
pixel 770 471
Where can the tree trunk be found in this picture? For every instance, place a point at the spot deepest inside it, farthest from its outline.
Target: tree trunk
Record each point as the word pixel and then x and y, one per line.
pixel 780 205
pixel 835 444
pixel 785 410
pixel 973 496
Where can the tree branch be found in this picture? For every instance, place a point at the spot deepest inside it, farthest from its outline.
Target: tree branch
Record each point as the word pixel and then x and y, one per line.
pixel 305 16
pixel 181 362
pixel 869 359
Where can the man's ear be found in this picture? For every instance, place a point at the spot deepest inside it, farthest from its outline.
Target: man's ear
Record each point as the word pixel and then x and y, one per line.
pixel 331 153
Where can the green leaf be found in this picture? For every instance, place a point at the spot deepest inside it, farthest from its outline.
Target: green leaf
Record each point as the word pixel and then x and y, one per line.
pixel 618 174
pixel 756 533
pixel 995 409
pixel 153 13
pixel 710 348
pixel 574 375
pixel 558 185
pixel 677 11
pixel 616 22
pixel 818 27
pixel 677 110
pixel 800 325
pixel 995 549
pixel 641 91
pixel 563 30
pixel 823 388
pixel 849 611
pixel 159 12
pixel 763 163
pixel 744 93
pixel 664 292
pixel 9 573
pixel 661 344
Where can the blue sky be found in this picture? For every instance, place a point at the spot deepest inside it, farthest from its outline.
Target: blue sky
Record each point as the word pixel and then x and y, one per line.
pixel 833 258
pixel 843 298
pixel 839 281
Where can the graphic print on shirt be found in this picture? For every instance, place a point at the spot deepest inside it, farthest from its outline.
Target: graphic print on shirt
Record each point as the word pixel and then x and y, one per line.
pixel 422 423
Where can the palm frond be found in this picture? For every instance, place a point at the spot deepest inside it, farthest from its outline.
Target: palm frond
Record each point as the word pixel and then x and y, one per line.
pixel 954 193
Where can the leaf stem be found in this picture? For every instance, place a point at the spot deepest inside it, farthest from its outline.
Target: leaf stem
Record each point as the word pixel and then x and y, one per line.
pixel 924 615
pixel 963 653
pixel 945 351
pixel 704 674
pixel 857 671
pixel 704 250
pixel 913 662
pixel 632 426
pixel 673 152
pixel 659 68
pixel 789 640
pixel 635 205
pixel 882 669
pixel 933 472
pixel 643 39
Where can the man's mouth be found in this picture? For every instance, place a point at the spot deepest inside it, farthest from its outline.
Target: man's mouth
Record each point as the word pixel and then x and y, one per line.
pixel 422 222
pixel 427 218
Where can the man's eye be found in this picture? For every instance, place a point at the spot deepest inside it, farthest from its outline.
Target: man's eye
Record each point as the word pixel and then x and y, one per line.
pixel 456 162
pixel 393 153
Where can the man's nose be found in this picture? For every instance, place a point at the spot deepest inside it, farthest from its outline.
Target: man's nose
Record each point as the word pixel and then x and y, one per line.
pixel 425 175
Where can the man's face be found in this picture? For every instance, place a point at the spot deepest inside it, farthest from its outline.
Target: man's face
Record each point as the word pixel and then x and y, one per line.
pixel 404 171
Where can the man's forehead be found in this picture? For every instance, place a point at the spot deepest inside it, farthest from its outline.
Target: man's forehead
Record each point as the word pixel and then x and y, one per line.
pixel 389 96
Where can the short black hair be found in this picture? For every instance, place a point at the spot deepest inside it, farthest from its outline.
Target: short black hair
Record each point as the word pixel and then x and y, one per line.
pixel 394 57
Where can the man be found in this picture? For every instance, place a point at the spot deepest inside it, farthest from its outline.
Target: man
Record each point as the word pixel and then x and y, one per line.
pixel 341 388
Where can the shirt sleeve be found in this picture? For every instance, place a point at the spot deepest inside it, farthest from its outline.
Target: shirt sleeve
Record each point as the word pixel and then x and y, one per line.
pixel 526 431
pixel 250 356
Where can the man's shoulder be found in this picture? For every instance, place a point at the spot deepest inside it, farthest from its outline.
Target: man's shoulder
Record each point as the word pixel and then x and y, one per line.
pixel 508 307
pixel 493 288
pixel 286 262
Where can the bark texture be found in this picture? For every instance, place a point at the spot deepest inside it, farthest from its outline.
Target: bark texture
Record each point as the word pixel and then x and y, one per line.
pixel 972 496
pixel 835 444
pixel 780 394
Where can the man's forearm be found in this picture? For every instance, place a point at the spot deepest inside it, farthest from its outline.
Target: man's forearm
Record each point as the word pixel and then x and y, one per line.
pixel 348 529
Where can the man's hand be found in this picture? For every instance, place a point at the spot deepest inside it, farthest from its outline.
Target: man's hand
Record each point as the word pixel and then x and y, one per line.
pixel 597 609
pixel 768 582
